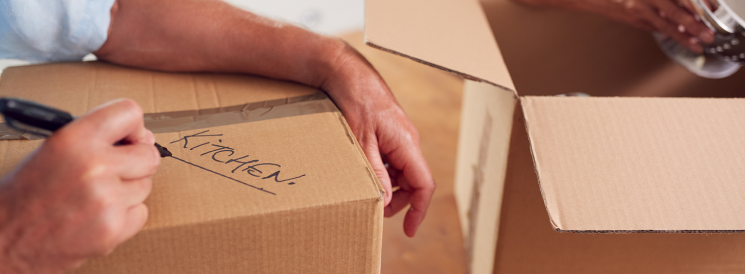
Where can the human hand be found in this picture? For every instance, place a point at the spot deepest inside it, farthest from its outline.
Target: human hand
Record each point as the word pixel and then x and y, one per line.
pixel 385 134
pixel 668 17
pixel 78 196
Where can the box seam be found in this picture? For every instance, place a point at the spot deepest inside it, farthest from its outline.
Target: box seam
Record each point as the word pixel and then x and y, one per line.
pixel 378 187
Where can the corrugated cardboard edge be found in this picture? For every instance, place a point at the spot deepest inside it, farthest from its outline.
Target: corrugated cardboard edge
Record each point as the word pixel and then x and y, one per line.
pixel 450 35
pixel 457 73
pixel 376 182
pixel 554 215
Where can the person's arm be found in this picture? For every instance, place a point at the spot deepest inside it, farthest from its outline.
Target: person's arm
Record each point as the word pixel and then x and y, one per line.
pixel 78 196
pixel 665 16
pixel 210 35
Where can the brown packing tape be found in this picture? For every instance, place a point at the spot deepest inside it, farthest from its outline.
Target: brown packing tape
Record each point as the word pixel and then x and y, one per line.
pixel 252 112
pixel 205 118
pixel 8 133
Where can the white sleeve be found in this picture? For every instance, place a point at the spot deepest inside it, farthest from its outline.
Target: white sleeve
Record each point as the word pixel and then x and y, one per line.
pixel 53 30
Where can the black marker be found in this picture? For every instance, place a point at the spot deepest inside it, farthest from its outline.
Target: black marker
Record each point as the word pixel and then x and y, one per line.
pixel 41 120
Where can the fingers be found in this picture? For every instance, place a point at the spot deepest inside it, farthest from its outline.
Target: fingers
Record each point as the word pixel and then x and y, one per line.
pixel 417 181
pixel 148 138
pixel 134 220
pixel 114 121
pixel 686 4
pixel 373 155
pixel 399 201
pixel 662 25
pixel 685 20
pixel 418 210
pixel 136 161
pixel 135 192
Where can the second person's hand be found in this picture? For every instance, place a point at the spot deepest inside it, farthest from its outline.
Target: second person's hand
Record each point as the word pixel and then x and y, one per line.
pixel 668 17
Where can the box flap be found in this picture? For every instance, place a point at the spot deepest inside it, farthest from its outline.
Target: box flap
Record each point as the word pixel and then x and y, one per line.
pixel 639 165
pixel 483 146
pixel 452 35
pixel 218 173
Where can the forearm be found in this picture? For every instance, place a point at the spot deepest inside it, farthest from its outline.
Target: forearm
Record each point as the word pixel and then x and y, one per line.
pixel 211 35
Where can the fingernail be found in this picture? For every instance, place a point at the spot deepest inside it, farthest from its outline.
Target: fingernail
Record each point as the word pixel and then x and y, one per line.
pixel 681 29
pixel 706 37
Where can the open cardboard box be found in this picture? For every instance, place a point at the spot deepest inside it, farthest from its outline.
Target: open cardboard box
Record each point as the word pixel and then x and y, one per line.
pixel 571 184
pixel 266 175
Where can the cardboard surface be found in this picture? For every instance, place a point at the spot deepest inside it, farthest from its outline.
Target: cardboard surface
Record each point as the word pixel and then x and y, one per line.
pixel 527 242
pixel 639 164
pixel 452 35
pixel 483 146
pixel 292 194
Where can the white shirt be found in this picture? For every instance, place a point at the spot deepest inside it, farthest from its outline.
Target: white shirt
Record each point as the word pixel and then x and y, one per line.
pixel 52 30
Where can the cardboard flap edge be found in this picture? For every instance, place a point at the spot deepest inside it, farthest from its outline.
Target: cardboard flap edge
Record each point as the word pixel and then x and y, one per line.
pixel 553 212
pixel 457 73
pixel 451 35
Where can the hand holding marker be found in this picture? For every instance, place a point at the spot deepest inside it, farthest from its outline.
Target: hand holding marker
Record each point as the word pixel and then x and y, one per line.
pixel 27 116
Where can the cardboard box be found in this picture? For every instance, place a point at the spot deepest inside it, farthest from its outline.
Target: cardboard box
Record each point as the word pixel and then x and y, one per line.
pixel 267 176
pixel 570 184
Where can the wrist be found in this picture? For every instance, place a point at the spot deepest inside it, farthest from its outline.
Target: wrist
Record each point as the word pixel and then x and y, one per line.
pixel 329 60
pixel 352 79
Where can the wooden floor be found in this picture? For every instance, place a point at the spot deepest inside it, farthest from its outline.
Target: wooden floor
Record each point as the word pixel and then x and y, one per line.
pixel 432 99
